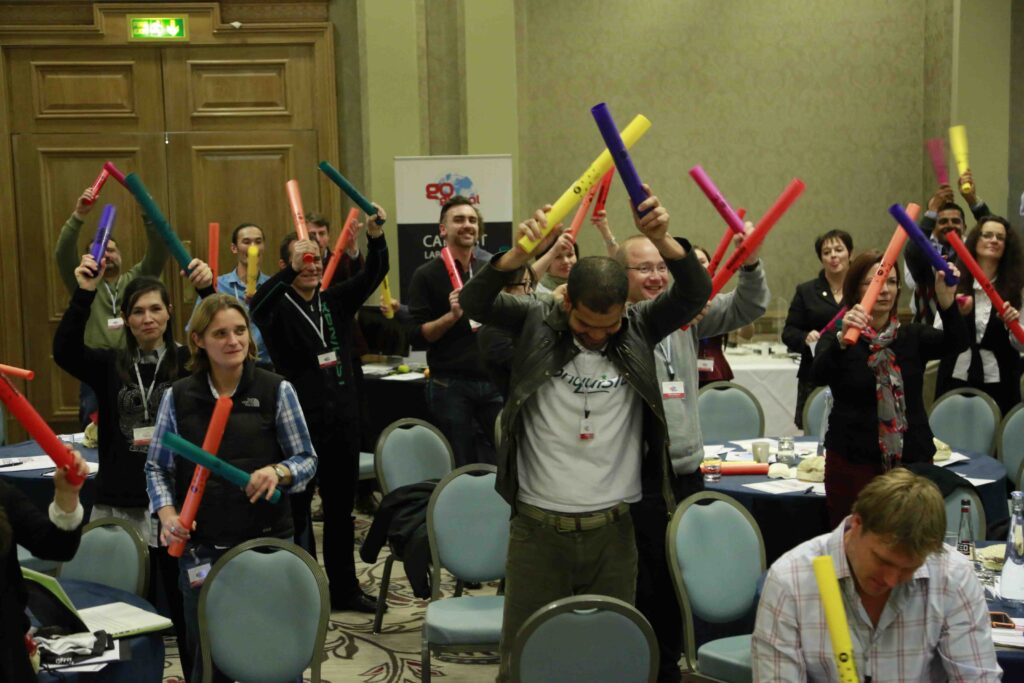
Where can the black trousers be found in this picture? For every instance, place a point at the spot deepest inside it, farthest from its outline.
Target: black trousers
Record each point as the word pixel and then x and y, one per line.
pixel 337 449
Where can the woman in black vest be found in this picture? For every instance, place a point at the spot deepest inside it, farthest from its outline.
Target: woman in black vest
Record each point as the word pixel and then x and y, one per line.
pixel 993 362
pixel 266 435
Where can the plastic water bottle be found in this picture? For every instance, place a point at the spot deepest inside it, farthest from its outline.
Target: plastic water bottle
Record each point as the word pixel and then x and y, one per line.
pixel 1011 583
pixel 965 534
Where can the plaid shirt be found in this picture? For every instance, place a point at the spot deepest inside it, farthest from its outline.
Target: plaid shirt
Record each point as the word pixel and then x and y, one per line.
pixel 292 436
pixel 934 627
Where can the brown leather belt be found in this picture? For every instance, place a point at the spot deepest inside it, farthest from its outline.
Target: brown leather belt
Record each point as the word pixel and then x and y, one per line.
pixel 574 521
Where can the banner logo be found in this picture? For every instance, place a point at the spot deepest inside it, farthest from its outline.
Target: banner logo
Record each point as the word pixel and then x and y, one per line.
pixel 452 184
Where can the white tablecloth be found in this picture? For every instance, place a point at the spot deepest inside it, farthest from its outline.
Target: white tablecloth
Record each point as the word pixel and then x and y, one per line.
pixel 772 379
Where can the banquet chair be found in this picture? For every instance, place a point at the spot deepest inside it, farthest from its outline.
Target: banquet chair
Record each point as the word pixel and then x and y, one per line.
pixel 408 451
pixel 467 524
pixel 585 638
pixel 273 638
pixel 366 468
pixel 978 521
pixel 729 412
pixel 1010 442
pixel 113 553
pixel 966 419
pixel 814 411
pixel 716 581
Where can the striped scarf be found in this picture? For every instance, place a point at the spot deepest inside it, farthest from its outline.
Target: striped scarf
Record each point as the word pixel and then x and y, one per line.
pixel 892 409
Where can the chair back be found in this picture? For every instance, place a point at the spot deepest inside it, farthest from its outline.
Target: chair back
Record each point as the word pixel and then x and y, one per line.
pixel 716 556
pixel 113 553
pixel 585 638
pixel 410 451
pixel 467 525
pixel 966 419
pixel 263 615
pixel 728 412
pixel 815 410
pixel 1010 442
pixel 978 521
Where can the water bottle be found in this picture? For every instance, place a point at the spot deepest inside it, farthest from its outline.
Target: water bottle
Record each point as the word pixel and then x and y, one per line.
pixel 965 534
pixel 1011 583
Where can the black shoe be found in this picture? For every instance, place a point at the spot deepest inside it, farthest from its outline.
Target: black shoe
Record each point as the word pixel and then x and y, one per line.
pixel 357 602
pixel 472 585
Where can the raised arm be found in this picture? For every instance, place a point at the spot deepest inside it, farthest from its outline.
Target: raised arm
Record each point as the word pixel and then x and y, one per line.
pixel 742 306
pixel 66 251
pixel 69 350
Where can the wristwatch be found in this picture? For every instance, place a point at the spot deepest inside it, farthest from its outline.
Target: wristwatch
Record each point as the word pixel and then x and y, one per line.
pixel 280 470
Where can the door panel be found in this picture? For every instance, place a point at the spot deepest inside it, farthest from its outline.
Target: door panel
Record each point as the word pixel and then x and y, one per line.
pixel 51 171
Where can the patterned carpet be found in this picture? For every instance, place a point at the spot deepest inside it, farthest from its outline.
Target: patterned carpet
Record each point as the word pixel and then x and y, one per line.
pixel 356 655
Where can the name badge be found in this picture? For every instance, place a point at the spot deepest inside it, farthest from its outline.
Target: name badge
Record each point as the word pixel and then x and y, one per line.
pixel 197 574
pixel 474 325
pixel 328 359
pixel 586 429
pixel 673 390
pixel 141 436
pixel 115 323
pixel 705 364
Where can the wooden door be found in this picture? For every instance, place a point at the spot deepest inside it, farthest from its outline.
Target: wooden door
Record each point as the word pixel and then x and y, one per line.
pixel 51 171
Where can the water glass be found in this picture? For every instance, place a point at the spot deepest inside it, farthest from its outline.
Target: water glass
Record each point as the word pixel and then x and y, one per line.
pixel 787 452
pixel 712 467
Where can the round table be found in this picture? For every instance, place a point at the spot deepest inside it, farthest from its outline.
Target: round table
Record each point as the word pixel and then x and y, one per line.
pixel 788 519
pixel 38 487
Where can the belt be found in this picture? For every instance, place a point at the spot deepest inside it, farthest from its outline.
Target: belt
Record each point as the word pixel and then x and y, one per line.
pixel 574 521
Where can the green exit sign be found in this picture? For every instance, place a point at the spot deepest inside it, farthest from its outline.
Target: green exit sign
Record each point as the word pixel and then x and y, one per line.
pixel 158 28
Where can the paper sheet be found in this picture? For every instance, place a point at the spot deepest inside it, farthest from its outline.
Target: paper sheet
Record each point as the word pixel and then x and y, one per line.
pixel 94 467
pixel 779 486
pixel 954 457
pixel 31 462
pixel 976 482
pixel 1010 637
pixel 405 376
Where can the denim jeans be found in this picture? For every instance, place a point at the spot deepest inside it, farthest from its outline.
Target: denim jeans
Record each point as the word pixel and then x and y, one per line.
pixel 465 411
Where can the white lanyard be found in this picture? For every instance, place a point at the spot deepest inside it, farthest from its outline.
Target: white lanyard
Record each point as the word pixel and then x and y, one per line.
pixel 319 330
pixel 113 297
pixel 146 393
pixel 666 356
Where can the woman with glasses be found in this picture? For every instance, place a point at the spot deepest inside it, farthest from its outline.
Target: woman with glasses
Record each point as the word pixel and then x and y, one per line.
pixel 815 304
pixel 498 346
pixel 878 420
pixel 992 363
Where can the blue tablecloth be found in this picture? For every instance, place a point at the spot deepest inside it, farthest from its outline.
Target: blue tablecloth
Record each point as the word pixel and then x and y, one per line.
pixel 35 485
pixel 147 651
pixel 788 519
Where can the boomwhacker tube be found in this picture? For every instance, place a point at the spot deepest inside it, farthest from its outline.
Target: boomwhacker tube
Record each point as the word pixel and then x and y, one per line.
pixel 211 444
pixel 620 154
pixel 602 194
pixel 348 188
pixel 222 469
pixel 958 144
pixel 103 232
pixel 385 287
pixel 888 262
pixel 97 185
pixel 453 269
pixel 581 213
pixel 252 270
pixel 213 249
pixel 12 371
pixel 835 319
pixel 115 173
pixel 754 239
pixel 997 301
pixel 602 164
pixel 298 214
pixel 923 243
pixel 37 428
pixel 707 186
pixel 149 207
pixel 723 245
pixel 340 247
pixel 835 617
pixel 937 152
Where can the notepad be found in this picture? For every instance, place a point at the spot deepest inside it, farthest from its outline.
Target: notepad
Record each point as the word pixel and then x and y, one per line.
pixel 120 620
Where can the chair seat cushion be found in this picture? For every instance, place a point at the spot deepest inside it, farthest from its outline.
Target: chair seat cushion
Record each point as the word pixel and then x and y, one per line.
pixel 727 659
pixel 466 620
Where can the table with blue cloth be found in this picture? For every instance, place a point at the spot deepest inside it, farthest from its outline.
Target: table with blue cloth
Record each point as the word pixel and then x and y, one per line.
pixel 788 519
pixel 146 658
pixel 39 488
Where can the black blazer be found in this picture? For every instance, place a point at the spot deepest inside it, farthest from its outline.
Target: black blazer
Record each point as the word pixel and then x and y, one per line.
pixel 812 308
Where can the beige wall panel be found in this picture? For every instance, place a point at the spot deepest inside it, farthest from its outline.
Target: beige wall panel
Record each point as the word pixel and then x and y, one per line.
pixel 85 90
pixel 232 88
pixel 51 171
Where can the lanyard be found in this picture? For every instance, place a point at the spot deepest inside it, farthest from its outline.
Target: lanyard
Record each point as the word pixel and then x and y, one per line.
pixel 583 387
pixel 146 393
pixel 318 329
pixel 666 356
pixel 113 297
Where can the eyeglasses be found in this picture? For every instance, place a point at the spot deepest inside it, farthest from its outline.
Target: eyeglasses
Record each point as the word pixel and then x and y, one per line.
pixel 990 235
pixel 647 268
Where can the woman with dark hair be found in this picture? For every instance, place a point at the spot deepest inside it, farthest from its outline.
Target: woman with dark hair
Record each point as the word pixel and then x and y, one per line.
pixel 815 303
pixel 878 420
pixel 129 384
pixel 992 363
pixel 712 364
pixel 266 435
